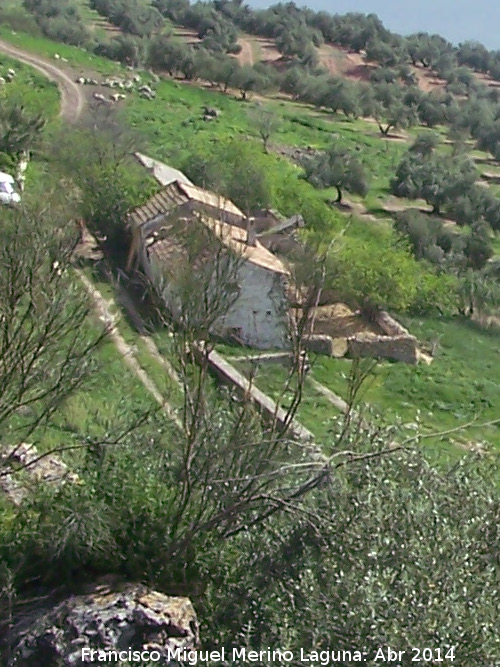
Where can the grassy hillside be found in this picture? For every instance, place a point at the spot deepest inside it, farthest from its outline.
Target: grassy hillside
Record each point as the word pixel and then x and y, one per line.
pixel 460 385
pixel 37 93
pixel 275 543
pixel 460 388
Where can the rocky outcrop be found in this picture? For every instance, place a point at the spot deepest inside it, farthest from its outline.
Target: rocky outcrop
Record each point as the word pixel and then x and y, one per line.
pixel 297 154
pixel 133 618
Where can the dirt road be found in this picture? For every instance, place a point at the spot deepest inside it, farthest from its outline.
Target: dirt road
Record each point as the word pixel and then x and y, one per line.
pixel 245 56
pixel 126 351
pixel 72 99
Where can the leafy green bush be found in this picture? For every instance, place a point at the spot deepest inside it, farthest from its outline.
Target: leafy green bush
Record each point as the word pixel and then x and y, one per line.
pixel 18 19
pixel 436 292
pixel 59 20
pixel 373 276
pixel 124 48
pixel 393 553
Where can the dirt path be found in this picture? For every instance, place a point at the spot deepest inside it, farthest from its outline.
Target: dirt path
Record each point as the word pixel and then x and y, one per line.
pixel 245 56
pixel 126 302
pixel 127 352
pixel 72 99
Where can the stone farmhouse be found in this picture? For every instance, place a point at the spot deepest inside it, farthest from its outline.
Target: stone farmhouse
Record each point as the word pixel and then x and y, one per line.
pixel 186 239
pixel 164 174
pixel 273 230
pixel 185 235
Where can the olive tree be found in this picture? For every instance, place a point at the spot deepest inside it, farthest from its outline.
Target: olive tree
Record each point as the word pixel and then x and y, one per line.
pixel 266 122
pixel 336 168
pixel 437 177
pixel 392 552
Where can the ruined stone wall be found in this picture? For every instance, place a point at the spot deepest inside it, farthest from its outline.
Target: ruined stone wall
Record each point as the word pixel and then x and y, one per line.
pixel 397 345
pixel 397 348
pixel 390 326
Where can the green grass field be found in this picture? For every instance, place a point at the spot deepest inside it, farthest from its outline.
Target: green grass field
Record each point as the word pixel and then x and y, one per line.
pixel 111 399
pixel 29 86
pixel 460 386
pixel 77 58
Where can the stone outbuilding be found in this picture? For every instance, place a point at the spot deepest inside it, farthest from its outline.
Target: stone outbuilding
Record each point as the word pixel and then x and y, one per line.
pixel 205 260
pixel 163 173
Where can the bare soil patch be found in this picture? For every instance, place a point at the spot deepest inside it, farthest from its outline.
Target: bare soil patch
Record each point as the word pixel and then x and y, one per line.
pixel 188 35
pixel 245 56
pixel 487 80
pixel 427 80
pixel 339 321
pixel 259 49
pixel 103 24
pixel 340 62
pixel 268 51
pixel 396 204
pixel 354 208
pixel 491 177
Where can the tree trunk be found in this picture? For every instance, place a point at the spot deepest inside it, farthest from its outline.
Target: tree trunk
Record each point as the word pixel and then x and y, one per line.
pixel 339 195
pixel 370 311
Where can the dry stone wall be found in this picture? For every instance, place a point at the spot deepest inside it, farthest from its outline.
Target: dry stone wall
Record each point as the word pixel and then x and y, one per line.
pixel 397 345
pixel 397 348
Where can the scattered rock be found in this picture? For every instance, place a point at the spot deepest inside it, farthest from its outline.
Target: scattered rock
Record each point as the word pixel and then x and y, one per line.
pixel 100 97
pixel 211 112
pixel 108 620
pixel 297 154
pixel 146 92
pixel 25 467
pixel 12 489
pixel 389 325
